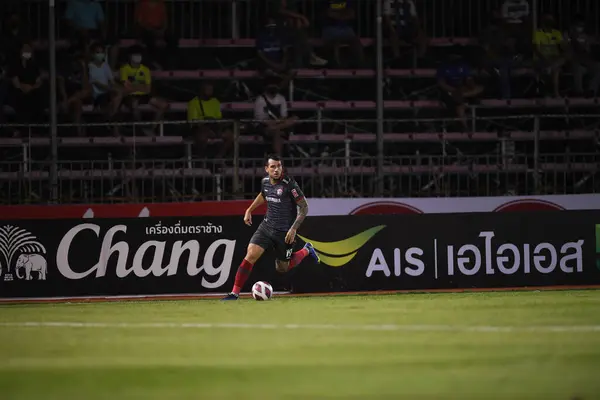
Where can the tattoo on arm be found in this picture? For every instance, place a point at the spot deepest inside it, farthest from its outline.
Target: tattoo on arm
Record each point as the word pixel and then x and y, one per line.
pixel 302 213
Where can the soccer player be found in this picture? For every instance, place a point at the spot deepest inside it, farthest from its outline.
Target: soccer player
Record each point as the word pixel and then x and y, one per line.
pixel 286 209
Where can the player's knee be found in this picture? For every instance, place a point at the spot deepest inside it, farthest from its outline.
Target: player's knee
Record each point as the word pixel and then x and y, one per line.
pixel 282 266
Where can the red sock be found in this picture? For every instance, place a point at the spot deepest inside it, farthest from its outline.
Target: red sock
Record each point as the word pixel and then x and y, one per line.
pixel 297 257
pixel 241 276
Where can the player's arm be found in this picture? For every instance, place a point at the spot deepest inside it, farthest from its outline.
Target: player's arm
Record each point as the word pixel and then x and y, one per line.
pixel 302 204
pixel 260 199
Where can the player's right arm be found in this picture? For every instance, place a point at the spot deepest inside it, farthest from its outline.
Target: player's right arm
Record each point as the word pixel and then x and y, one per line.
pixel 258 201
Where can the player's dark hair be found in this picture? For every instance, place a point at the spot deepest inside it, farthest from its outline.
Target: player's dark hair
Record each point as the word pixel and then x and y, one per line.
pixel 273 157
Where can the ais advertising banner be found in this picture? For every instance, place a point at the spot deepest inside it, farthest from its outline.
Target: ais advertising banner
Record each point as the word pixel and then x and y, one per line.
pixel 137 256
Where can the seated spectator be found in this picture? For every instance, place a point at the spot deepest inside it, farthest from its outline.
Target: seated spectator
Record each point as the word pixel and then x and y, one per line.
pixel 499 52
pixel 86 21
pixel 107 95
pixel 516 15
pixel 549 55
pixel 457 86
pixel 296 29
pixel 137 81
pixel 579 48
pixel 273 57
pixel 13 37
pixel 402 22
pixel 338 31
pixel 152 24
pixel 201 111
pixel 271 114
pixel 28 97
pixel 73 87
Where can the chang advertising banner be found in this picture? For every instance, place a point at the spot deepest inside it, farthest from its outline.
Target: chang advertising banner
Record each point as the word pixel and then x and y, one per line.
pixel 120 257
pixel 148 256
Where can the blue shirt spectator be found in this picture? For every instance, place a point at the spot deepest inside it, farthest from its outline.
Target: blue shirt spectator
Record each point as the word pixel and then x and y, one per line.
pixel 454 74
pixel 85 14
pixel 270 43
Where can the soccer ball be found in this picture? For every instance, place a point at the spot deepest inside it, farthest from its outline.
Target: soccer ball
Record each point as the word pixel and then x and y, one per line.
pixel 262 291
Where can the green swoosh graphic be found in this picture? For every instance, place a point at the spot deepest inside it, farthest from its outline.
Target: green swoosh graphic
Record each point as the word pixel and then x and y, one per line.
pixel 345 246
pixel 336 261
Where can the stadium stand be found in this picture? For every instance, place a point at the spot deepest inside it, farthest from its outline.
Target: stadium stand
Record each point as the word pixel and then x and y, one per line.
pixel 528 144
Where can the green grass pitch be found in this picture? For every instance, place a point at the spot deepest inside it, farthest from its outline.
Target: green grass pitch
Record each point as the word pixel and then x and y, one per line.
pixel 511 345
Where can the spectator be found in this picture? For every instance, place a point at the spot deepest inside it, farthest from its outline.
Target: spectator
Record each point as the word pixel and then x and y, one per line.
pixel 13 37
pixel 516 15
pixel 137 81
pixel 73 87
pixel 402 22
pixel 515 12
pixel 106 93
pixel 579 47
pixel 297 26
pixel 201 111
pixel 338 31
pixel 271 50
pixel 28 97
pixel 457 86
pixel 87 23
pixel 549 55
pixel 270 110
pixel 152 24
pixel 500 52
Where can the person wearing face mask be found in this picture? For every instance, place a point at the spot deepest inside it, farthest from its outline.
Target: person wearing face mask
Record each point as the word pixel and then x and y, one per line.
pixel 28 98
pixel 580 55
pixel 137 83
pixel 548 50
pixel 106 93
pixel 271 115
pixel 73 87
pixel 201 110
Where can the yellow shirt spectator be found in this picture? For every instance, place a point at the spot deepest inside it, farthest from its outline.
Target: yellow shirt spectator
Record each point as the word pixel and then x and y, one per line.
pixel 199 110
pixel 137 76
pixel 549 42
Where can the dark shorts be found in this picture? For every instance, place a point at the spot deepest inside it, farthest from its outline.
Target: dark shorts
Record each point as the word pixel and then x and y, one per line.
pixel 448 99
pixel 140 98
pixel 342 33
pixel 407 34
pixel 102 100
pixel 268 238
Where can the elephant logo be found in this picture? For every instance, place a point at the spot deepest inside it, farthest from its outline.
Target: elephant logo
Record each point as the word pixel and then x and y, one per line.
pixel 16 241
pixel 31 263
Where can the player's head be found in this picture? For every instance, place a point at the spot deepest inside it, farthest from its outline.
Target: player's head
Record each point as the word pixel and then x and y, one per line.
pixel 274 166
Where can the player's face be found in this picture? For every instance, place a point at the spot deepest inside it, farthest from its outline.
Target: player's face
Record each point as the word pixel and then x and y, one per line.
pixel 274 169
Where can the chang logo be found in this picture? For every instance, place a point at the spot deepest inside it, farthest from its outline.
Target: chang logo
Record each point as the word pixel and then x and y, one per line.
pixel 336 254
pixel 598 247
pixel 21 245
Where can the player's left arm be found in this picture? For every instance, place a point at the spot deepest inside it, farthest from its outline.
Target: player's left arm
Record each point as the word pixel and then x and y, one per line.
pixel 302 204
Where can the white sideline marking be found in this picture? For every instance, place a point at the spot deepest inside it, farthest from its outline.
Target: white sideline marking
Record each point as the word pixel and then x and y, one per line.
pixel 398 328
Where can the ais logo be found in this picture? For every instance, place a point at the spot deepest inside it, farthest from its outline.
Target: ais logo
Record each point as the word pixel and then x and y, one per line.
pixel 598 246
pixel 336 254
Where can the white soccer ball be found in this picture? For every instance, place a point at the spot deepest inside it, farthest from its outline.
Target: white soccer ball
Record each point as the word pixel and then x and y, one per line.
pixel 262 291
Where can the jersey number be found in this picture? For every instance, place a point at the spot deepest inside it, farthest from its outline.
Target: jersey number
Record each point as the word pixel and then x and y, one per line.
pixel 288 253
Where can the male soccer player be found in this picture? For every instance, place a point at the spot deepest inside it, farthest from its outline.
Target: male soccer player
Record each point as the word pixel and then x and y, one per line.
pixel 286 209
